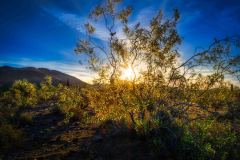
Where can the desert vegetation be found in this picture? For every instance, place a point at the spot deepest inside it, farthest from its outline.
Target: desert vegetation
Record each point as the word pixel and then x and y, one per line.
pixel 168 107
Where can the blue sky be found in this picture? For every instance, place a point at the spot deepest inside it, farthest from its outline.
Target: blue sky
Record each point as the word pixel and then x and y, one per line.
pixel 43 33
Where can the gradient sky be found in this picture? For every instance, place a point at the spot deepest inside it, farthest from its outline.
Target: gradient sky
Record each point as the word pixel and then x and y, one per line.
pixel 43 33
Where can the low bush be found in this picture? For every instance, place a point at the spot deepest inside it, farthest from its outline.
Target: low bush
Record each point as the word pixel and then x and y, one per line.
pixel 210 139
pixel 21 94
pixel 47 90
pixel 202 139
pixel 69 102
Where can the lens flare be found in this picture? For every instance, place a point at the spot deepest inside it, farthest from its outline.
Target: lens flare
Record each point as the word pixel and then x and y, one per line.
pixel 127 74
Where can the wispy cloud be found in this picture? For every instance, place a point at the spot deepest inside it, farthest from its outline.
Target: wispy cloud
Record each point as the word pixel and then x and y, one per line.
pixel 73 69
pixel 77 23
pixel 71 20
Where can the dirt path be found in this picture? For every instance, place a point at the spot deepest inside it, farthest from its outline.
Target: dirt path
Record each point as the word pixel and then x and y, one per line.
pixel 48 137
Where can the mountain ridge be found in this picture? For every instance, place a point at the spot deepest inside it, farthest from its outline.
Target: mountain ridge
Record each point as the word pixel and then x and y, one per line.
pixel 9 74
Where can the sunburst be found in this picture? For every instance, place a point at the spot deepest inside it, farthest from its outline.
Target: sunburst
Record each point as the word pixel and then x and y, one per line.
pixel 127 74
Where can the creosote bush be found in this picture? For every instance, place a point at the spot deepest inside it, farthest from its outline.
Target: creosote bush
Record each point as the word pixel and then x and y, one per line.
pixel 209 139
pixel 21 94
pixel 70 102
pixel 168 102
pixel 47 90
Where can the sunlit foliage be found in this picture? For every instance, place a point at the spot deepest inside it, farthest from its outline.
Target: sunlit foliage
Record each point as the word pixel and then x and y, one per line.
pixel 21 94
pixel 164 94
pixel 47 90
pixel 70 102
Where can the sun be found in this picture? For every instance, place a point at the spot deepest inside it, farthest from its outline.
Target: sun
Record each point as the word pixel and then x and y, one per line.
pixel 127 74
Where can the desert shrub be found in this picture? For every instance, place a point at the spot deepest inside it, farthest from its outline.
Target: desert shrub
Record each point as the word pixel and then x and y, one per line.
pixel 203 139
pixel 116 102
pixel 170 135
pixel 180 130
pixel 10 137
pixel 113 102
pixel 161 95
pixel 208 139
pixel 69 102
pixel 21 94
pixel 47 90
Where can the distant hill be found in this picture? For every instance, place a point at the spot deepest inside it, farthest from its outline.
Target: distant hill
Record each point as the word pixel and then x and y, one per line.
pixel 35 75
